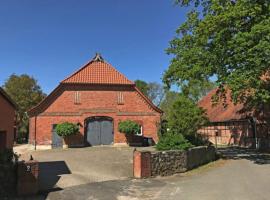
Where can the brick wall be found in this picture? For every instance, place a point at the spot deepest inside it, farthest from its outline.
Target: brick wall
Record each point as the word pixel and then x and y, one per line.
pixel 231 134
pixel 94 101
pixel 7 121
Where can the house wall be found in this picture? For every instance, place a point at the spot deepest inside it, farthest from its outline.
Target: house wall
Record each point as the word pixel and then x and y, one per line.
pixel 94 101
pixel 232 133
pixel 7 121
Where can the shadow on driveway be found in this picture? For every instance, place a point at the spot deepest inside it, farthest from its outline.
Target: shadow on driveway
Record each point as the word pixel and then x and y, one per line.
pixel 236 153
pixel 50 173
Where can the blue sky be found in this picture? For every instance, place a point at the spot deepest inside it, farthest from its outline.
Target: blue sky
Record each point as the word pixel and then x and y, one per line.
pixel 50 39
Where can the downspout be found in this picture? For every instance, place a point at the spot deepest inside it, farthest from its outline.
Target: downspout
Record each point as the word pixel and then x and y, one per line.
pixel 255 132
pixel 35 141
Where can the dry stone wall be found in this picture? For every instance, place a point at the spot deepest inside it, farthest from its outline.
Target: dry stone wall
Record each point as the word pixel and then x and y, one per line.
pixel 165 163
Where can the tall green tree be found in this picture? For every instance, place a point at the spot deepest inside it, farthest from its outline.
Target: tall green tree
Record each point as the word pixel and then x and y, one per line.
pixel 156 93
pixel 167 103
pixel 153 90
pixel 142 86
pixel 26 92
pixel 228 40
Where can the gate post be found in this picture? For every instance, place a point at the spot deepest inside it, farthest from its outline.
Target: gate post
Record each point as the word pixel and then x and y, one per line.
pixel 141 164
pixel 27 177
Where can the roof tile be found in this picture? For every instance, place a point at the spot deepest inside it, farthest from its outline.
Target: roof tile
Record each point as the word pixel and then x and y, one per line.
pixel 219 113
pixel 98 72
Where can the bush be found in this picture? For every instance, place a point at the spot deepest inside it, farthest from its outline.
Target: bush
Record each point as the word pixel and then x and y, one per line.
pixel 172 141
pixel 197 140
pixel 129 127
pixel 186 118
pixel 8 156
pixel 67 129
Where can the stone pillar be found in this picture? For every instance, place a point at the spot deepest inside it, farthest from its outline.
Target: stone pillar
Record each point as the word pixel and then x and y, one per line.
pixel 27 177
pixel 141 164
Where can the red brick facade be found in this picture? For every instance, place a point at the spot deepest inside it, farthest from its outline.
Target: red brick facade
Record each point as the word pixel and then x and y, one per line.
pixel 7 120
pixel 75 102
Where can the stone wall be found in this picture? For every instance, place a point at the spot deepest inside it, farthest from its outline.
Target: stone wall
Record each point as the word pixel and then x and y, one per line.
pixel 164 163
pixel 198 156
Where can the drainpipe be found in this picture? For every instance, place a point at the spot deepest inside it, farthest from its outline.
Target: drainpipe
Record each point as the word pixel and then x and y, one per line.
pixel 255 132
pixel 35 141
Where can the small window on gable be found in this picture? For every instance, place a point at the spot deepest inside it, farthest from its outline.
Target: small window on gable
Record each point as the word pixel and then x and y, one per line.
pixel 120 98
pixel 77 97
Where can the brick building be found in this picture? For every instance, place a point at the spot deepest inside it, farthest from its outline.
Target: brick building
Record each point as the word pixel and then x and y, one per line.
pixel 7 121
pixel 232 125
pixel 96 97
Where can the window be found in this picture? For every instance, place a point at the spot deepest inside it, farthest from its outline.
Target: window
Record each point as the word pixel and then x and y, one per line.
pixel 141 132
pixel 77 97
pixel 120 98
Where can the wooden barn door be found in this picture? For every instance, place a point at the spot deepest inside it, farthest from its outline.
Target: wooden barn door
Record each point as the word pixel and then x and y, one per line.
pixel 99 131
pixel 57 141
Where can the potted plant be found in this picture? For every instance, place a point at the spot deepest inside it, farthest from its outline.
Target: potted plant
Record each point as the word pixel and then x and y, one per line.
pixel 129 128
pixel 65 130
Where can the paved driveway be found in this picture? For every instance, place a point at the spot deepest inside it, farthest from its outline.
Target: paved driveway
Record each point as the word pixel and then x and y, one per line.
pixel 71 167
pixel 243 176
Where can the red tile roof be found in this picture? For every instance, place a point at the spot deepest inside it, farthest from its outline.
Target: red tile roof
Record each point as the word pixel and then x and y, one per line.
pixel 219 113
pixel 97 71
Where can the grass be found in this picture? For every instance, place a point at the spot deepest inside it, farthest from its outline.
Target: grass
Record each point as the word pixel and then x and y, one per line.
pixel 206 167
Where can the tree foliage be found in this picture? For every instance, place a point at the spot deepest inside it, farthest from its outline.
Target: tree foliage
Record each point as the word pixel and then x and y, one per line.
pixel 153 90
pixel 168 101
pixel 228 40
pixel 142 86
pixel 185 117
pixel 67 129
pixel 26 92
pixel 129 127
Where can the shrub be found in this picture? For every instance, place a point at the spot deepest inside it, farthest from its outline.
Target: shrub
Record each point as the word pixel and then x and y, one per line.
pixel 8 156
pixel 128 127
pixel 67 129
pixel 172 141
pixel 185 118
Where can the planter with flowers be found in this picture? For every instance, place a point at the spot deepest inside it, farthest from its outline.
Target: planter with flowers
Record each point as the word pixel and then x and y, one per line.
pixel 65 130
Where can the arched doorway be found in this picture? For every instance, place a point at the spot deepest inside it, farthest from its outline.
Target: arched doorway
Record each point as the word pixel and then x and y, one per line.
pixel 99 131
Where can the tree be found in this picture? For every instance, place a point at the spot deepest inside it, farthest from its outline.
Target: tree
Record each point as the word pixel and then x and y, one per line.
pixel 168 101
pixel 142 86
pixel 25 91
pixel 155 92
pixel 185 117
pixel 227 40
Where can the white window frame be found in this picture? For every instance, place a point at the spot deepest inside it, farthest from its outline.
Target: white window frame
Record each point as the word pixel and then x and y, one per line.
pixel 141 133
